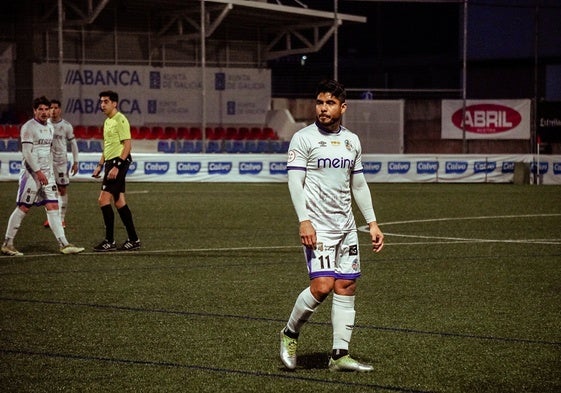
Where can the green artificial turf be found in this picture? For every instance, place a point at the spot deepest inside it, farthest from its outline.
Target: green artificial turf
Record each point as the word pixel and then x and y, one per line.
pixel 465 296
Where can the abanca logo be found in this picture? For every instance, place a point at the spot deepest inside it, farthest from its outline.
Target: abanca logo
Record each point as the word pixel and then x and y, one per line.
pixel 487 118
pixel 102 77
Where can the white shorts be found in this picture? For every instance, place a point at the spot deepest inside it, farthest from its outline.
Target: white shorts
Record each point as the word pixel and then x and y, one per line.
pixel 32 193
pixel 336 255
pixel 60 170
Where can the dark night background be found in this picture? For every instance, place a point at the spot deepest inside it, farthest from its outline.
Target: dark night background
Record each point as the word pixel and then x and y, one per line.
pixel 418 45
pixel 415 48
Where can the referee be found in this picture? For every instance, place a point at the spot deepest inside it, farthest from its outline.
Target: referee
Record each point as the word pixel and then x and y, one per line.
pixel 115 160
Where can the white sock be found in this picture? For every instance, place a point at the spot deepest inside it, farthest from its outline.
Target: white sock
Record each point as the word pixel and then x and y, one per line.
pixel 55 223
pixel 303 309
pixel 14 223
pixel 343 320
pixel 62 205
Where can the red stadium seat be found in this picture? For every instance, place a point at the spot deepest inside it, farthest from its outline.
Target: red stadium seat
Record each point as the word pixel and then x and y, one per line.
pixel 170 133
pixel 270 134
pixel 157 132
pixel 195 133
pixel 255 133
pixel 183 133
pixel 143 132
pixel 243 133
pixel 91 130
pixel 231 133
pixel 13 130
pixel 150 134
pixel 135 133
pixel 95 132
pixel 80 132
pixel 3 132
pixel 220 132
pixel 210 134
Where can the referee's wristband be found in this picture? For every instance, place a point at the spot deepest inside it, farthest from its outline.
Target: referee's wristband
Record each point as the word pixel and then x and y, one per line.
pixel 118 161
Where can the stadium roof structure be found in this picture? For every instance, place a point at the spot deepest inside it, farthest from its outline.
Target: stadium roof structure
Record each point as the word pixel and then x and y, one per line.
pixel 282 29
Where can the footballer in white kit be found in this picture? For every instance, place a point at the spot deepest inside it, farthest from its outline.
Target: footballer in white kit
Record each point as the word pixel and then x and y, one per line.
pixel 63 133
pixel 39 138
pixel 329 161
pixel 37 185
pixel 325 174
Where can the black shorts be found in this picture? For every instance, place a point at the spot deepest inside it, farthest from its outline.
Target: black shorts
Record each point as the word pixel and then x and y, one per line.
pixel 116 186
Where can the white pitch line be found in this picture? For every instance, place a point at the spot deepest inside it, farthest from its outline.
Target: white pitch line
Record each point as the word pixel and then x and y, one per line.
pixel 444 239
pixel 438 239
pixel 470 218
pixel 475 240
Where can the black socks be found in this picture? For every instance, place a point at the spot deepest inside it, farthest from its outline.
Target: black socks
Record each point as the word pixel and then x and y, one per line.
pixel 109 220
pixel 339 353
pixel 126 217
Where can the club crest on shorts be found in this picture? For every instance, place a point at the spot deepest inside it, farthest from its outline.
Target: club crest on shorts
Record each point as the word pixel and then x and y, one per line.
pixel 355 265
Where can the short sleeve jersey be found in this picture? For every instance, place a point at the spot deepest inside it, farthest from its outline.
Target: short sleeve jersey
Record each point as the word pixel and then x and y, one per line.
pixel 63 132
pixel 41 136
pixel 329 160
pixel 115 130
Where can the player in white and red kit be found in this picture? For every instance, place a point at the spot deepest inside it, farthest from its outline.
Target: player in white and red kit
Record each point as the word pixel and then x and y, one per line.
pixel 37 185
pixel 324 174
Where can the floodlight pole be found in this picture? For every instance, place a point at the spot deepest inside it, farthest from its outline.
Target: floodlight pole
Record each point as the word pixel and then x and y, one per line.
pixel 60 50
pixel 335 42
pixel 464 77
pixel 203 75
pixel 534 137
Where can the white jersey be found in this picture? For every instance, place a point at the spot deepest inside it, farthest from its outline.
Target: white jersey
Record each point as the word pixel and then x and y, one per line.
pixel 63 132
pixel 41 136
pixel 329 160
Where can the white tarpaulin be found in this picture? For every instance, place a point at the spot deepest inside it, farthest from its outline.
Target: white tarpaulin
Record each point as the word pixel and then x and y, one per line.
pixel 390 168
pixel 378 123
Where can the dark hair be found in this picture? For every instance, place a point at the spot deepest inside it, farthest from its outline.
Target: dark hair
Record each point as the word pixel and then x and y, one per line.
pixel 113 96
pixel 332 86
pixel 55 101
pixel 41 101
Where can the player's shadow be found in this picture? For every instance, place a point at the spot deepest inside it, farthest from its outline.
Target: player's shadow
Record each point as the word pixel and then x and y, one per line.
pixel 311 361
